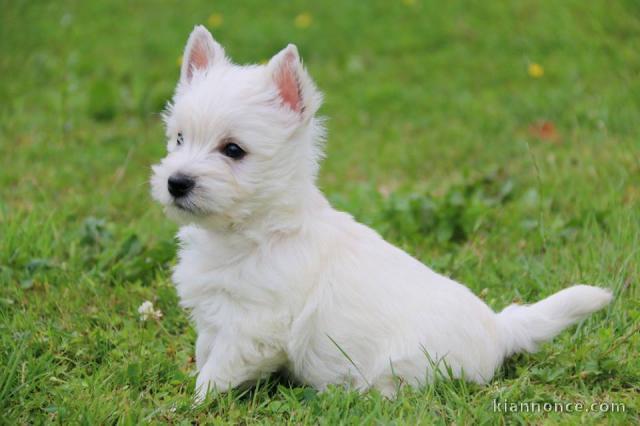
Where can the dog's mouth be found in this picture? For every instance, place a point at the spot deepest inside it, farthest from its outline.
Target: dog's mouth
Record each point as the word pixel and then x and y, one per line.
pixel 188 206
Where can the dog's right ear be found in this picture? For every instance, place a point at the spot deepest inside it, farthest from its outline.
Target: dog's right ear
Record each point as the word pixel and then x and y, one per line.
pixel 201 53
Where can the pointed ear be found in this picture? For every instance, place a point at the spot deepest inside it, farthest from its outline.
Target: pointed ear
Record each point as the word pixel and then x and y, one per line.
pixel 200 54
pixel 295 88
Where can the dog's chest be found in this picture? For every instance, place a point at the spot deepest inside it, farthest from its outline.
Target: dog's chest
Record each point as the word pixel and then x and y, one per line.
pixel 223 287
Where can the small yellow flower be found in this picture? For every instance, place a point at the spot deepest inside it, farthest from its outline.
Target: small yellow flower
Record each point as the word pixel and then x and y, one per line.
pixel 215 20
pixel 409 2
pixel 535 70
pixel 303 20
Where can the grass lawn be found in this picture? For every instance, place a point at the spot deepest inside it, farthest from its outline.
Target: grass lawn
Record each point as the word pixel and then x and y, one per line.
pixel 497 143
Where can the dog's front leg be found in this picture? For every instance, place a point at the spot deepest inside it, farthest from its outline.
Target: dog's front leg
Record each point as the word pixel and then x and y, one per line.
pixel 236 361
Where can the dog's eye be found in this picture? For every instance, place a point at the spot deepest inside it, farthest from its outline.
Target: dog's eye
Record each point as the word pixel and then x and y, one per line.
pixel 232 150
pixel 180 139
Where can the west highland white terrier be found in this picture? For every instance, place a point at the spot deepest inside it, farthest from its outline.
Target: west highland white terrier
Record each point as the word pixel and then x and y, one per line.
pixel 275 278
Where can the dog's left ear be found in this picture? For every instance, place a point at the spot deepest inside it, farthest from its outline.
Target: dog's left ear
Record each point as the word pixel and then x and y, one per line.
pixel 296 90
pixel 201 53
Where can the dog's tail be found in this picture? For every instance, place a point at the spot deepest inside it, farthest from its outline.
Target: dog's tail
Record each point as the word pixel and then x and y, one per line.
pixel 525 326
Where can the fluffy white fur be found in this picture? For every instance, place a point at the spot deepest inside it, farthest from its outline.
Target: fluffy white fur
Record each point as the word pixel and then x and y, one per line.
pixel 275 278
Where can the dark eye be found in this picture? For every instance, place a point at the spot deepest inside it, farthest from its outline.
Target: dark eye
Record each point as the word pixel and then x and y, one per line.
pixel 180 139
pixel 232 150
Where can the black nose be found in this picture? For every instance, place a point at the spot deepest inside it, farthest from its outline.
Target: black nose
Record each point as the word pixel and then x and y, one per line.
pixel 180 185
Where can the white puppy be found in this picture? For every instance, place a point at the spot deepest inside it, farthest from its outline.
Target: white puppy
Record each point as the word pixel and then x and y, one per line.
pixel 275 278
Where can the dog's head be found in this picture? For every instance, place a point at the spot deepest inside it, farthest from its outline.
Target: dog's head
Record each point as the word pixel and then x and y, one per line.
pixel 242 140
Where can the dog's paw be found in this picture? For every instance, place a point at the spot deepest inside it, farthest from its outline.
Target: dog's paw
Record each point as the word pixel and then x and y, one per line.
pixel 206 386
pixel 201 393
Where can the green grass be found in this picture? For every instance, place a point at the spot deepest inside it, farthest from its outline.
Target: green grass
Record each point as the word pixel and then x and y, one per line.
pixel 432 141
